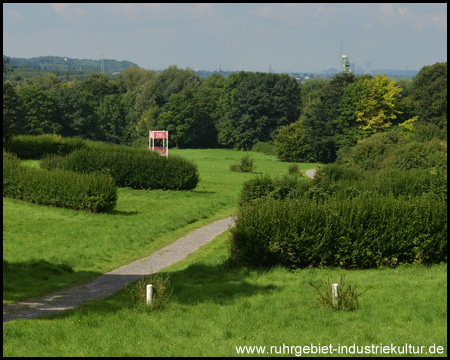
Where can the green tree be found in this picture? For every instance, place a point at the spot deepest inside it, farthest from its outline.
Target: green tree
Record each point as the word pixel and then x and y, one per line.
pixel 75 112
pixel 319 118
pixel 134 77
pixel 12 112
pixel 262 104
pixel 6 67
pixel 112 119
pixel 39 111
pixel 189 117
pixel 171 81
pixel 290 143
pixel 227 134
pixel 429 90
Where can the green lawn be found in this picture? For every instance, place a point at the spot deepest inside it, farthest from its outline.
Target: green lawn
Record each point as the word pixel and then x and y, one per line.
pixel 216 308
pixel 47 248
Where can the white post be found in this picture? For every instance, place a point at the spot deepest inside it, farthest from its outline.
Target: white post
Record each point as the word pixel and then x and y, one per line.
pixel 149 294
pixel 335 294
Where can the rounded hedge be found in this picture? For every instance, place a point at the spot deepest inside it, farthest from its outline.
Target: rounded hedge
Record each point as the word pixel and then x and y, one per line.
pixel 60 188
pixel 37 146
pixel 138 169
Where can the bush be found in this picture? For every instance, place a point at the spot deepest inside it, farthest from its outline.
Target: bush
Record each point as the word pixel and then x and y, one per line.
pixel 370 152
pixel 348 233
pixel 414 155
pixel 37 146
pixel 246 165
pixel 338 181
pixel 277 188
pixel 138 169
pixel 290 144
pixel 91 192
pixel 293 169
pixel 264 148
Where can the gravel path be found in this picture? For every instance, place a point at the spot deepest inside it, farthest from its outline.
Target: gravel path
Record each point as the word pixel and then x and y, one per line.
pixel 108 283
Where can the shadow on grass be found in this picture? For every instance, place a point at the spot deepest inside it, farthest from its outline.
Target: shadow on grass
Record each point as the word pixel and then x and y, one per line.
pixel 25 279
pixel 119 212
pixel 199 283
pixel 219 284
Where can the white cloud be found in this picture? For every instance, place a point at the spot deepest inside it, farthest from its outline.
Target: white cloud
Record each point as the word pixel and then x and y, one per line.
pixel 404 12
pixel 68 9
pixel 419 17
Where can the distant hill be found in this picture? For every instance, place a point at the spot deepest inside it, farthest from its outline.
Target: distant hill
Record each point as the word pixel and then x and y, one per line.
pixel 62 63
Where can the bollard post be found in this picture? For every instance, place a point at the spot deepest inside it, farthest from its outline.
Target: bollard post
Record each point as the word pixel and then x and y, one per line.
pixel 149 294
pixel 335 295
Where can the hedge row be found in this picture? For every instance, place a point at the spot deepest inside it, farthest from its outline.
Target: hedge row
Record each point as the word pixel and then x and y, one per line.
pixel 138 169
pixel 287 186
pixel 37 146
pixel 348 233
pixel 91 192
pixel 337 181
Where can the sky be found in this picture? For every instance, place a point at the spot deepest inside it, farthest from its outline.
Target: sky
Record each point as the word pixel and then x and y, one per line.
pixel 290 37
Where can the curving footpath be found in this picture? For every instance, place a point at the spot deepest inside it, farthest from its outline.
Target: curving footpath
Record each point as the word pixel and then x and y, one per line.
pixel 108 283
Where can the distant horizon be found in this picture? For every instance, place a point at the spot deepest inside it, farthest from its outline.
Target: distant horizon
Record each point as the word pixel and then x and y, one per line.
pixel 215 70
pixel 291 37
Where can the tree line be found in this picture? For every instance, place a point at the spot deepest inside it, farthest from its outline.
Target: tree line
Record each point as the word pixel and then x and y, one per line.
pixel 306 122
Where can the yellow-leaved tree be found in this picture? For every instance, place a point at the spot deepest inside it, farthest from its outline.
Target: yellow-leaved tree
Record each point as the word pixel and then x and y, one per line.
pixel 376 107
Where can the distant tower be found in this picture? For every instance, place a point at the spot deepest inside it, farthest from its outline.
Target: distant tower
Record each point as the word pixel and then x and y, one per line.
pixel 346 64
pixel 368 67
pixel 102 67
pixel 270 68
pixel 219 68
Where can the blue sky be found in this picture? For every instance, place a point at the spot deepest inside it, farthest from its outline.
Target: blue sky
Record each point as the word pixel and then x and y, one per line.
pixel 291 37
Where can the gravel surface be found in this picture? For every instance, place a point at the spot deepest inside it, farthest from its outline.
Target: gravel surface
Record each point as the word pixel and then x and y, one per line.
pixel 108 283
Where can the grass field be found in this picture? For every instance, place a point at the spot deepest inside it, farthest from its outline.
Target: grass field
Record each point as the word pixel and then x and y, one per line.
pixel 47 248
pixel 215 307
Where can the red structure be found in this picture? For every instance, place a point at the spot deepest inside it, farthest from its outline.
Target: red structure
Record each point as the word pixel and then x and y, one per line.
pixel 159 135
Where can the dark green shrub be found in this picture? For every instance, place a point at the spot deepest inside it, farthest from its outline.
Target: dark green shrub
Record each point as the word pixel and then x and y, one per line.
pixel 264 148
pixel 37 146
pixel 370 152
pixel 349 233
pixel 52 162
pixel 290 143
pixel 414 155
pixel 256 188
pixel 414 182
pixel 91 192
pixel 277 188
pixel 136 168
pixel 293 169
pixel 246 165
